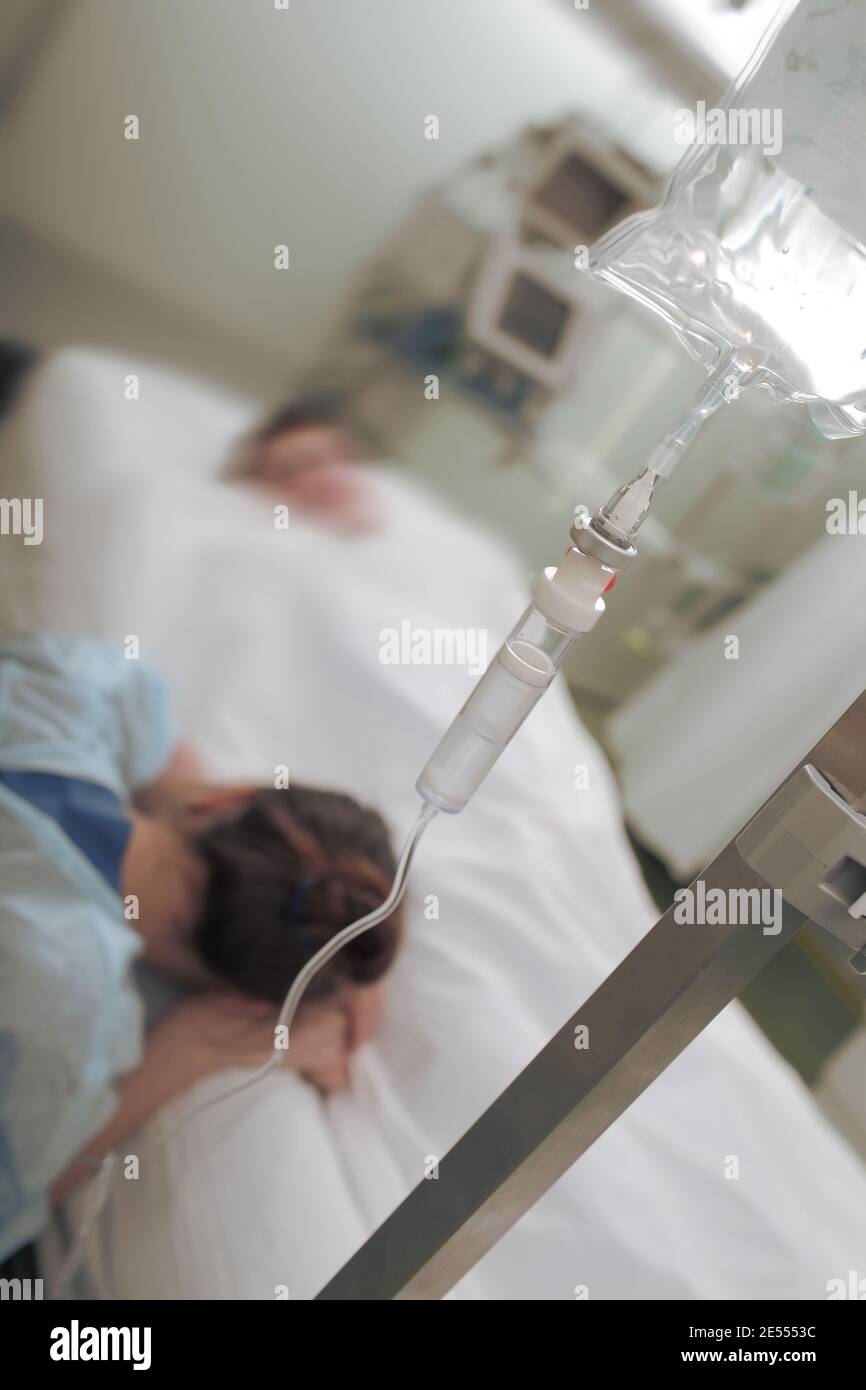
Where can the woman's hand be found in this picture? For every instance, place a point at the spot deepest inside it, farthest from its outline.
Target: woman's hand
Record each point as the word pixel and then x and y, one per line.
pixel 320 1045
pixel 212 1032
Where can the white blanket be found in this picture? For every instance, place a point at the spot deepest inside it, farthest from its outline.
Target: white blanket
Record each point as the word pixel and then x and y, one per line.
pixel 272 643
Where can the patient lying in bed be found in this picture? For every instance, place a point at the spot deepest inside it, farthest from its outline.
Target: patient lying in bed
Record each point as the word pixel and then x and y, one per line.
pixel 112 846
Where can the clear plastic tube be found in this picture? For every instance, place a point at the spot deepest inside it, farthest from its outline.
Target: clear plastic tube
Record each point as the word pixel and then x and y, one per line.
pixel 536 643
pixel 512 685
pixel 535 650
pixel 625 511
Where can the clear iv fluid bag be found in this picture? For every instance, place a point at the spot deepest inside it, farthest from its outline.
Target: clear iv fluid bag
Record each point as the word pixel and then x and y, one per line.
pixel 759 246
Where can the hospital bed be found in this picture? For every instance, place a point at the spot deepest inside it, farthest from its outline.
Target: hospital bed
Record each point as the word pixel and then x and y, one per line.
pixel 271 642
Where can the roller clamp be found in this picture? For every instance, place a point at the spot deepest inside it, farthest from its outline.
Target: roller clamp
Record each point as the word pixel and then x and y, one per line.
pixel 811 845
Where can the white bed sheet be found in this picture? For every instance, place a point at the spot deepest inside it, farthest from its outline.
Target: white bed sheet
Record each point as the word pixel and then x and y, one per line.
pixel 272 643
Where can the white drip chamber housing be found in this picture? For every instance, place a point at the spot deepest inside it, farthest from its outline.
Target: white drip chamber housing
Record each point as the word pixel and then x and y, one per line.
pixel 566 603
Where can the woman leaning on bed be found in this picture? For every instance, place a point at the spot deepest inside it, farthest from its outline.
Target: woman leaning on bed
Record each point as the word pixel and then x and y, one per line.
pixel 113 847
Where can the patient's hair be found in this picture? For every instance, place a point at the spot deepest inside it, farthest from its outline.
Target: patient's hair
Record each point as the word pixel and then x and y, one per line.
pixel 306 413
pixel 325 412
pixel 285 874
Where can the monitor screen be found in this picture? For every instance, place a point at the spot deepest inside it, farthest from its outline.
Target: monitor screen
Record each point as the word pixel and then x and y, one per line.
pixel 580 196
pixel 534 315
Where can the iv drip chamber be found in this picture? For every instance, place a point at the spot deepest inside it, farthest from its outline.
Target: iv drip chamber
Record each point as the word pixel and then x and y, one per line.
pixel 566 603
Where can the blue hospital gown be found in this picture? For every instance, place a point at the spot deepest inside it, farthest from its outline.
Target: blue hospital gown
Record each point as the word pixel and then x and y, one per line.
pixel 70 1018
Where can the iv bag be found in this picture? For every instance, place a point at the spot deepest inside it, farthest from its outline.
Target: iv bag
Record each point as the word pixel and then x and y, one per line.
pixel 759 246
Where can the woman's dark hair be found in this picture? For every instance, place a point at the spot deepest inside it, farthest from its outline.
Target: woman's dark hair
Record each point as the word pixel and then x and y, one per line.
pixel 324 410
pixel 302 414
pixel 284 875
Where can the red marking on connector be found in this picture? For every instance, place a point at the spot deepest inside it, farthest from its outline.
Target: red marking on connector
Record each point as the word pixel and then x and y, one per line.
pixel 609 585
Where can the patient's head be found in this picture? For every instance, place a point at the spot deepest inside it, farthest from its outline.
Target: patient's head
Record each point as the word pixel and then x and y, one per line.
pixel 306 454
pixel 284 872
